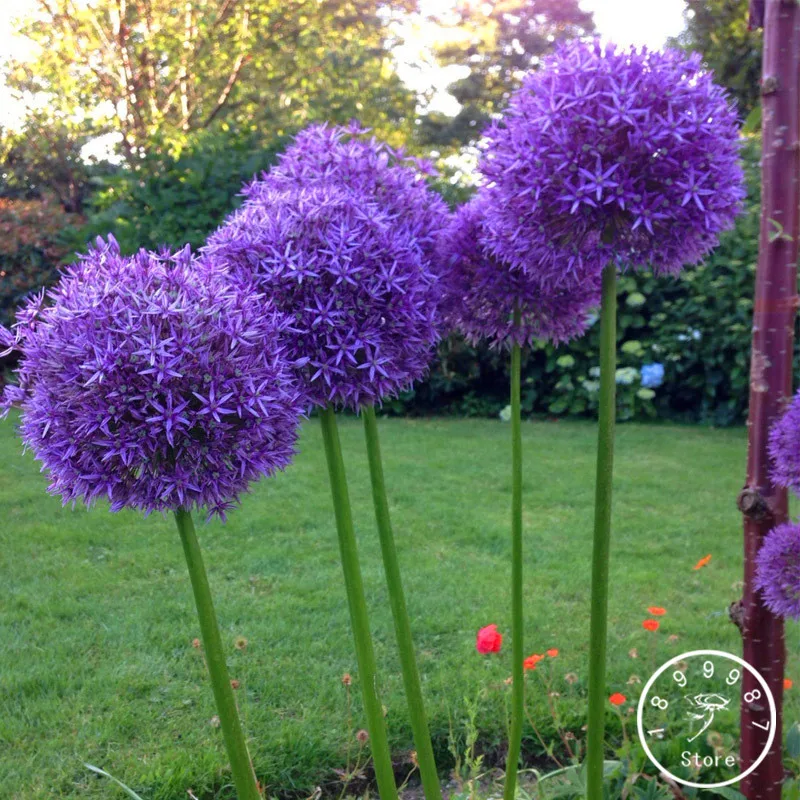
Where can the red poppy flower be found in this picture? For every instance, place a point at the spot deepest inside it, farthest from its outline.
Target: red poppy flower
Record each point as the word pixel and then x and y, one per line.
pixel 552 652
pixel 531 661
pixel 656 611
pixel 651 624
pixel 788 683
pixel 617 699
pixel 488 640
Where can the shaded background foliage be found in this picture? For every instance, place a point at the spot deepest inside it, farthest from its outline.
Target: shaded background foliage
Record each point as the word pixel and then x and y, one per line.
pixel 213 94
pixel 32 244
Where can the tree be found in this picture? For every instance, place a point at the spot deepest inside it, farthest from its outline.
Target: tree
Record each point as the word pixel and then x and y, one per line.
pixel 719 30
pixel 153 69
pixel 44 157
pixel 501 41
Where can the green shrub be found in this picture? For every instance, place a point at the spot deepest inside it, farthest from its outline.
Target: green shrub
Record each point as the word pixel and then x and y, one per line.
pixel 180 198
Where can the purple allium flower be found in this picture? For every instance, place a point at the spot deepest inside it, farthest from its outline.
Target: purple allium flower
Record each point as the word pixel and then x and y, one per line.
pixel 155 381
pixel 784 447
pixel 367 167
pixel 604 154
pixel 778 570
pixel 361 294
pixel 481 291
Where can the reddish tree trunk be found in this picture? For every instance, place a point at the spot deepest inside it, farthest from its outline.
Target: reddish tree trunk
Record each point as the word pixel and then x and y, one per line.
pixel 762 503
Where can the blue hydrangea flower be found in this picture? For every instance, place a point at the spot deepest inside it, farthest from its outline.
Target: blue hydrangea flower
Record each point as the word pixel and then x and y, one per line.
pixel 153 381
pixel 652 375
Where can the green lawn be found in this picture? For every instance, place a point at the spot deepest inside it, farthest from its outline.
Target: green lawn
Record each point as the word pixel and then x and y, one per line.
pixel 97 621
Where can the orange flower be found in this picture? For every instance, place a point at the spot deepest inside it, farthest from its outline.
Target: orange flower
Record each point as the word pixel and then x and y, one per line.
pixel 552 652
pixel 788 683
pixel 702 562
pixel 617 699
pixel 651 624
pixel 656 611
pixel 531 661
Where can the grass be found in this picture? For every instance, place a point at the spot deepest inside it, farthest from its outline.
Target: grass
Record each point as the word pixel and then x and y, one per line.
pixel 97 622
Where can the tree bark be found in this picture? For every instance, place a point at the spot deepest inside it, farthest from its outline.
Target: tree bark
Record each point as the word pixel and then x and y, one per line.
pixel 761 502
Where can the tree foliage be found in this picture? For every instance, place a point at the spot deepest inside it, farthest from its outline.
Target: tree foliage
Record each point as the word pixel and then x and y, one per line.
pixel 44 157
pixel 719 30
pixel 156 71
pixel 498 42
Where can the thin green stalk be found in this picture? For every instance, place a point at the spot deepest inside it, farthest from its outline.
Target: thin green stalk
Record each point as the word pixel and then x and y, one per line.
pixel 517 644
pixel 595 735
pixel 241 767
pixel 402 626
pixel 357 603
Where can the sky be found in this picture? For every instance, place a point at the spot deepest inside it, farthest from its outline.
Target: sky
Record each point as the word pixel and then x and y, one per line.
pixel 648 22
pixel 637 22
pixel 10 46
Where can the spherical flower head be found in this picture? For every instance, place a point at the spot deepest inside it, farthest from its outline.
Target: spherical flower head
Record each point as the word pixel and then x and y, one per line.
pixel 613 156
pixel 481 291
pixel 784 447
pixel 154 381
pixel 360 294
pixel 778 570
pixel 350 159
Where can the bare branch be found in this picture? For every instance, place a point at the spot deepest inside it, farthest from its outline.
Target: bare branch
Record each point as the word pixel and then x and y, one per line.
pixel 225 94
pixel 240 61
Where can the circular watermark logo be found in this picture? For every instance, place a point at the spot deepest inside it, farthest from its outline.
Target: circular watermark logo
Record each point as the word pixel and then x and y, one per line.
pixel 688 695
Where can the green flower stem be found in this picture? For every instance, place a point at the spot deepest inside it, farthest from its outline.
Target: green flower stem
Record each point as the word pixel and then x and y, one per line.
pixel 242 768
pixel 595 735
pixel 517 644
pixel 402 626
pixel 357 603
